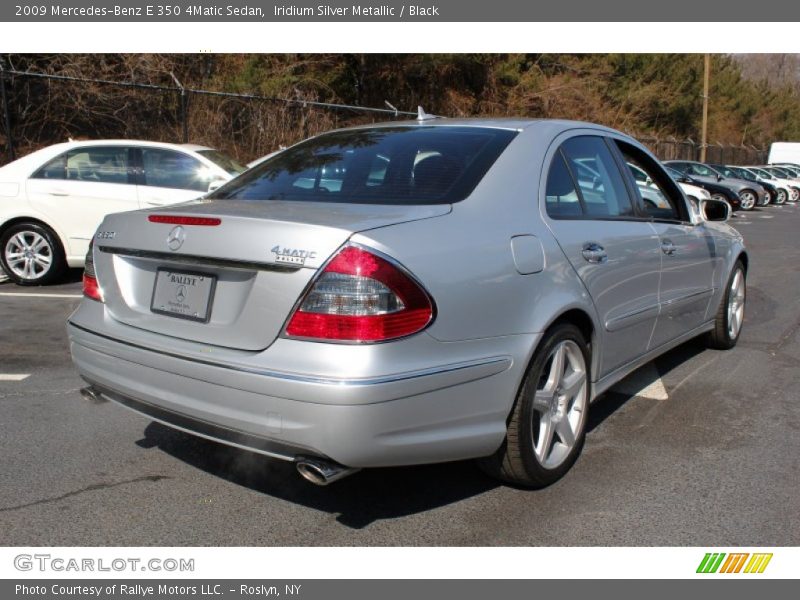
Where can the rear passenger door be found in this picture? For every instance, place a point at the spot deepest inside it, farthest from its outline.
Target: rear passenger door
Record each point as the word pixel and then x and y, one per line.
pixel 687 251
pixel 614 251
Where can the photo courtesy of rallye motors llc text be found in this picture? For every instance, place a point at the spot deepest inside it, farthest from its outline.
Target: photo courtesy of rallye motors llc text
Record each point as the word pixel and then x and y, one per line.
pixel 144 591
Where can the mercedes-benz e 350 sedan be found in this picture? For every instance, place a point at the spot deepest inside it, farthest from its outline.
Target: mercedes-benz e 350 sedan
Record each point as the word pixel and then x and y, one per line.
pixel 408 293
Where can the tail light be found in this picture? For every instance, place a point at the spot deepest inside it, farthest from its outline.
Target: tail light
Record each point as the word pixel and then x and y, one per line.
pixel 91 289
pixel 361 297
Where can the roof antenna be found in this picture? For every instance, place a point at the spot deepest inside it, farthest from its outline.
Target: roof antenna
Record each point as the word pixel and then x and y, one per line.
pixel 423 116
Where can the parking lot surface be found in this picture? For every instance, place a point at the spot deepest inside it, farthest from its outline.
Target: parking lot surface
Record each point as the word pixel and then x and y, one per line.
pixel 698 448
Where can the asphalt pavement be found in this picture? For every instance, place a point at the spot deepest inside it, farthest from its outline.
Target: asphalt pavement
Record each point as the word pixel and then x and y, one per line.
pixel 699 448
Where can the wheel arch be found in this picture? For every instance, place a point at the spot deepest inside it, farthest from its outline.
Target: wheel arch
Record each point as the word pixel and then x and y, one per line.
pixel 38 221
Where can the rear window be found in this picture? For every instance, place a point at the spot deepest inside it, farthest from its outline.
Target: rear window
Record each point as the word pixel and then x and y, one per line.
pixel 396 165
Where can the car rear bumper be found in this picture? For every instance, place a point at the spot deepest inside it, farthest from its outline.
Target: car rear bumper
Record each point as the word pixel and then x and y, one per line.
pixel 450 411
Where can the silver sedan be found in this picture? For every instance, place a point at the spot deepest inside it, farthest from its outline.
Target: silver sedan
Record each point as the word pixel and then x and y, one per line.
pixel 408 293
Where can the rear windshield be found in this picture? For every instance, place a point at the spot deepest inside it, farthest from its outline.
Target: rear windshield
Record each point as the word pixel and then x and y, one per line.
pixel 397 165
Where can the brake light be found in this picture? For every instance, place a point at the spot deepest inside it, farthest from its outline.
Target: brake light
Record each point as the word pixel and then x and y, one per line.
pixel 361 297
pixel 182 220
pixel 91 289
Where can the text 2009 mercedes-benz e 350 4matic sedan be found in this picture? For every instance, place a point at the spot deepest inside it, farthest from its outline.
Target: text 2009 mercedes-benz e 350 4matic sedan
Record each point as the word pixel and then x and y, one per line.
pixel 408 293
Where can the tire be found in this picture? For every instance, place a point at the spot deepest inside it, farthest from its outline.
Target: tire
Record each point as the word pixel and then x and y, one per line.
pixel 730 315
pixel 31 254
pixel 780 197
pixel 540 408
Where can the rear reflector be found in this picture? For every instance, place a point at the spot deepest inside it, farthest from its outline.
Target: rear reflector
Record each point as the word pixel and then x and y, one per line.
pixel 91 289
pixel 181 220
pixel 361 297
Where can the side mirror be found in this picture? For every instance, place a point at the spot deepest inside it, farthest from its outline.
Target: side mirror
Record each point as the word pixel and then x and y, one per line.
pixel 720 177
pixel 715 210
pixel 215 185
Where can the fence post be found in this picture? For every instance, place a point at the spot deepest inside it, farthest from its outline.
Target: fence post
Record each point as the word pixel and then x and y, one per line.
pixel 6 112
pixel 184 100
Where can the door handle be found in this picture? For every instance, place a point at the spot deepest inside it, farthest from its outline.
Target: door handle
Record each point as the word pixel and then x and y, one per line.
pixel 594 253
pixel 58 193
pixel 667 247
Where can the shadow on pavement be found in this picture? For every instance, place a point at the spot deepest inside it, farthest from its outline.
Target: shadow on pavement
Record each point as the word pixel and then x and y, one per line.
pixel 359 500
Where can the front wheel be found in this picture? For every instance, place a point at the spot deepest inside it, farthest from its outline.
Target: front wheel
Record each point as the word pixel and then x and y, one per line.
pixel 747 200
pixel 31 254
pixel 547 425
pixel 730 315
pixel 780 197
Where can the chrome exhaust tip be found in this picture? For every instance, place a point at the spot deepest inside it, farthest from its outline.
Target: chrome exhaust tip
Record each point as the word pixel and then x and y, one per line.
pixel 92 395
pixel 320 471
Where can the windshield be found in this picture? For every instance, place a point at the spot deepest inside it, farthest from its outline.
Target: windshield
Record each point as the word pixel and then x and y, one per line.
pixel 385 165
pixel 223 160
pixel 725 171
pixel 743 173
pixel 676 175
pixel 761 172
pixel 779 173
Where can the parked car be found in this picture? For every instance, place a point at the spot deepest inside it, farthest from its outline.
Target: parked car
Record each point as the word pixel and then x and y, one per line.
pixel 718 192
pixel 749 195
pixel 52 200
pixel 792 185
pixel 731 173
pixel 465 290
pixel 779 193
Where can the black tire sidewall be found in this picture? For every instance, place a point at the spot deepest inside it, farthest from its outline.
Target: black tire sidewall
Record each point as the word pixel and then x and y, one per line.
pixel 56 266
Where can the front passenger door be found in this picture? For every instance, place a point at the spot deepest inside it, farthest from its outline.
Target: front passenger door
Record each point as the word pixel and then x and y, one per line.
pixel 687 251
pixel 169 176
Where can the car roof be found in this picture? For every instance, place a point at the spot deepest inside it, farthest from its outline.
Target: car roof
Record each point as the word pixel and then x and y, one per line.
pixel 508 123
pixel 121 142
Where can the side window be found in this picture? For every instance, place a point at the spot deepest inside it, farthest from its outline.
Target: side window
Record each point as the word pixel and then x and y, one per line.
pixel 98 164
pixel 561 196
pixel 600 183
pixel 171 169
pixel 659 196
pixel 55 169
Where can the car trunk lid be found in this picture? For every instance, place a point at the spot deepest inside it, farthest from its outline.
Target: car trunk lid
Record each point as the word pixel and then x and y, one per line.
pixel 224 272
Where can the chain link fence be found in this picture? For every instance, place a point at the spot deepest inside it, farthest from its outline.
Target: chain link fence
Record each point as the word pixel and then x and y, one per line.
pixel 40 109
pixel 716 153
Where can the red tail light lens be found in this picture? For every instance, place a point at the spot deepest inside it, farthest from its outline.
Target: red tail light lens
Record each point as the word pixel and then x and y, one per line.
pixel 91 289
pixel 361 297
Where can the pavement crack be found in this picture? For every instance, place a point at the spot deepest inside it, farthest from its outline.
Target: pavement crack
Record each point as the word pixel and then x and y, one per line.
pixel 89 488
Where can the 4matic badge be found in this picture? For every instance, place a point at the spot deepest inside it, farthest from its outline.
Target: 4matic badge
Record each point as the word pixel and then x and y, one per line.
pixel 292 256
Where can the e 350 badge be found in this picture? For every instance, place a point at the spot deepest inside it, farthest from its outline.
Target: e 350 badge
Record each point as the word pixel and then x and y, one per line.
pixel 292 256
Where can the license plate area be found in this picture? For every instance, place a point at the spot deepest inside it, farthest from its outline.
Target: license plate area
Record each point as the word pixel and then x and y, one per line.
pixel 183 294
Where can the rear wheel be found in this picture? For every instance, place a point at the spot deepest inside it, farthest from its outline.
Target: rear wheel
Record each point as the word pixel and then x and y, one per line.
pixel 547 425
pixel 31 254
pixel 730 315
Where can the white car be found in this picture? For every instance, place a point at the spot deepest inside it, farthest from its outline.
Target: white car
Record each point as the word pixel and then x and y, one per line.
pixel 649 190
pixel 52 200
pixel 775 179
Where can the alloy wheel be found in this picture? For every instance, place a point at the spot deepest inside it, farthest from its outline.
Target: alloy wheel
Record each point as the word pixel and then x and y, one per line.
pixel 560 403
pixel 29 255
pixel 748 200
pixel 736 296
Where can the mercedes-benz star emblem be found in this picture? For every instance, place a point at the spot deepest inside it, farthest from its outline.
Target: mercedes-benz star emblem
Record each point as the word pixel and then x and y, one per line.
pixel 176 238
pixel 180 295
